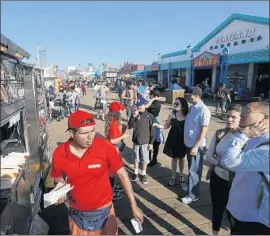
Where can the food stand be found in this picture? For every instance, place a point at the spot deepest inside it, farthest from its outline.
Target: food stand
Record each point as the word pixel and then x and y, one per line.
pixel 174 92
pixel 24 143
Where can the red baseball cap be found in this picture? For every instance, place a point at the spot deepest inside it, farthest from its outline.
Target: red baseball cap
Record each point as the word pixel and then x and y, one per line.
pixel 116 107
pixel 80 119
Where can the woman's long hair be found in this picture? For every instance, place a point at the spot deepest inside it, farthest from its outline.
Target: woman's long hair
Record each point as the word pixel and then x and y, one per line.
pixel 184 106
pixel 112 115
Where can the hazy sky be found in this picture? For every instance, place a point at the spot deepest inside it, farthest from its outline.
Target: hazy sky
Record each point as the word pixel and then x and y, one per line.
pixel 114 32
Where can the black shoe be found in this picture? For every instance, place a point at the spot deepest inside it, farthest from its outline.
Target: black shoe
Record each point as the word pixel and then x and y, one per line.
pixel 134 178
pixel 144 179
pixel 152 163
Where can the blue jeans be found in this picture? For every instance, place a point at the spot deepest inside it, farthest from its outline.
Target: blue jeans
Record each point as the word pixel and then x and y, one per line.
pixel 128 111
pixel 221 104
pixel 195 166
pixel 72 108
pixel 62 112
pixel 159 136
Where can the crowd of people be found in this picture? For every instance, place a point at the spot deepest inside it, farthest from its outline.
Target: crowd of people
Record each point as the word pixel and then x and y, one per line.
pixel 238 157
pixel 66 100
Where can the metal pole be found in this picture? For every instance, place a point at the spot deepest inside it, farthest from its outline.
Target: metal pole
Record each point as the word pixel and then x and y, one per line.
pixel 191 81
pixel 192 77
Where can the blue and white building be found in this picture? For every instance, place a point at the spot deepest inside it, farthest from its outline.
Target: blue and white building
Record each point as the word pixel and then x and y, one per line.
pixel 235 53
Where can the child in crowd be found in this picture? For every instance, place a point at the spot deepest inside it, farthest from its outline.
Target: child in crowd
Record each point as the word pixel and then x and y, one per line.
pixel 101 104
pixel 72 99
pixel 115 132
pixel 154 107
pixel 103 101
pixel 143 138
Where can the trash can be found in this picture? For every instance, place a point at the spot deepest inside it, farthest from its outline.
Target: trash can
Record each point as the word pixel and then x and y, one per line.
pixel 171 95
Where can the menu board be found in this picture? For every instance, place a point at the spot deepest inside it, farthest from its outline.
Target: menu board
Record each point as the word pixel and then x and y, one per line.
pixel 12 86
pixel 42 114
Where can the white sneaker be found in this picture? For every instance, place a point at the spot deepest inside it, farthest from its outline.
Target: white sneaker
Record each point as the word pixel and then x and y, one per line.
pixel 187 200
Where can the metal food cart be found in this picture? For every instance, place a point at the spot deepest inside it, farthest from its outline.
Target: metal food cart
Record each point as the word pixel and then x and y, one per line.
pixel 24 134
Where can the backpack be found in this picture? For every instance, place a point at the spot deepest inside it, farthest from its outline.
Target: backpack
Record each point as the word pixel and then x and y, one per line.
pixel 264 181
pixel 261 173
pixel 220 133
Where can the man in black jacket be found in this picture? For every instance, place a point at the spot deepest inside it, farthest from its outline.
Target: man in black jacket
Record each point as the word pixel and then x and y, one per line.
pixel 143 138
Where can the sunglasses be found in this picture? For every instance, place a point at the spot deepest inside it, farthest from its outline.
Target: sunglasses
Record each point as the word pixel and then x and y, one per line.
pixel 176 104
pixel 87 121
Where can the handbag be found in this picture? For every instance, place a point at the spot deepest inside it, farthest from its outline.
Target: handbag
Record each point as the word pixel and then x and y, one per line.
pixel 264 181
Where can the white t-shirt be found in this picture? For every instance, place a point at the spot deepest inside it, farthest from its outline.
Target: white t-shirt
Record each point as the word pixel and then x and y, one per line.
pixel 147 94
pixel 96 88
pixel 103 91
pixel 51 105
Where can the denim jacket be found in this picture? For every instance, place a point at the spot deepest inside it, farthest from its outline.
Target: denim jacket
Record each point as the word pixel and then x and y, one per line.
pixel 247 184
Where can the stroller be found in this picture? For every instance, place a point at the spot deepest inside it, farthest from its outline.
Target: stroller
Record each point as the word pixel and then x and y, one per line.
pixel 57 109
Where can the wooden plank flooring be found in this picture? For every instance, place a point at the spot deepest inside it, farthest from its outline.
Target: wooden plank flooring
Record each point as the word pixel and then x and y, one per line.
pixel 165 214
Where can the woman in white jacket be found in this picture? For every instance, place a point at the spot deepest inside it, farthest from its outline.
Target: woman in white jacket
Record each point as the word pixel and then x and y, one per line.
pixel 220 177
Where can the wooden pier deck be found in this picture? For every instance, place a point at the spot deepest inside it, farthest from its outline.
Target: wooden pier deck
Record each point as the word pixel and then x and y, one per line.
pixel 164 212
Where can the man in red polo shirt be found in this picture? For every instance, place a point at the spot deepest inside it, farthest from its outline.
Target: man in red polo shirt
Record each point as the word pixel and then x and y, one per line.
pixel 84 162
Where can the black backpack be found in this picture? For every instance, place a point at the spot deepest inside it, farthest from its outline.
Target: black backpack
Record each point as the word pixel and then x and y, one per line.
pixel 261 173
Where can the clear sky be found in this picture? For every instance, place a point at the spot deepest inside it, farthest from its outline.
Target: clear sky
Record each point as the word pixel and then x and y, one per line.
pixel 114 32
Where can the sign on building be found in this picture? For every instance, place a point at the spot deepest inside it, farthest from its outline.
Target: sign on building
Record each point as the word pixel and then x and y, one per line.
pixel 247 33
pixel 206 59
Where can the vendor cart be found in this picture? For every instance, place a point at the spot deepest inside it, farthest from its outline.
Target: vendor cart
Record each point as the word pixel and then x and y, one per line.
pixel 24 143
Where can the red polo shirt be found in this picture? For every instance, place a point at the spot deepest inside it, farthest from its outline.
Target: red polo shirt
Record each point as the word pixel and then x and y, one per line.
pixel 89 175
